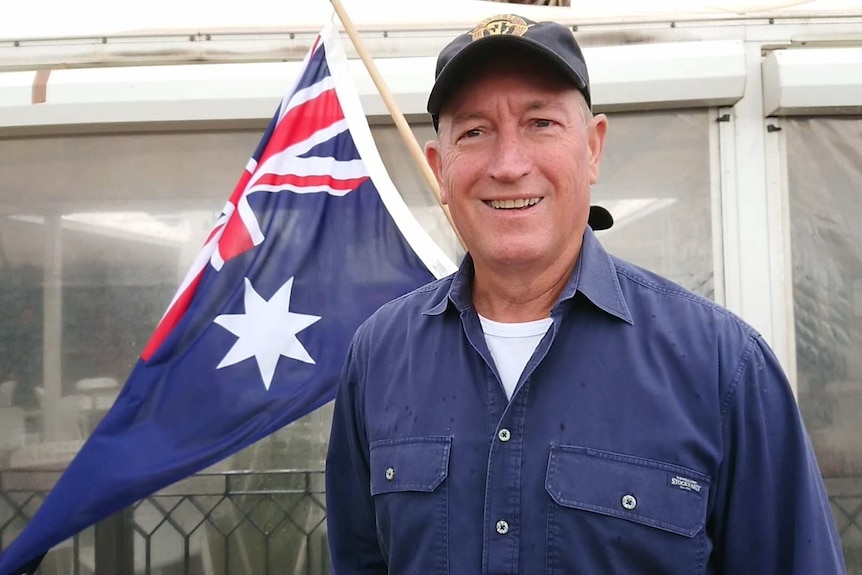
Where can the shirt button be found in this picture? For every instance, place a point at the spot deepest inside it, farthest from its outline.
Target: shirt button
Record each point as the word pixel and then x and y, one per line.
pixel 629 502
pixel 390 474
pixel 502 527
pixel 504 435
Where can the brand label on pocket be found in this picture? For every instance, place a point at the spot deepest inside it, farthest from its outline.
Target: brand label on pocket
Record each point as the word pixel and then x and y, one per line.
pixel 685 483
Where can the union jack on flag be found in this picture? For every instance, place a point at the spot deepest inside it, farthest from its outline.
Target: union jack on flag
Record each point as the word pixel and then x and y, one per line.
pixel 312 240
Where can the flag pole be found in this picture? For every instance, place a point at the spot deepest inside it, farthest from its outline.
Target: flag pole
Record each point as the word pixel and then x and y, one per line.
pixel 394 111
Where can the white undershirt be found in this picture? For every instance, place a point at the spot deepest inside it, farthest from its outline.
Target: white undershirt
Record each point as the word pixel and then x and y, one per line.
pixel 512 345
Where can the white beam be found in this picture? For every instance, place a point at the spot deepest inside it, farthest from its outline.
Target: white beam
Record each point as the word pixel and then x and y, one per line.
pixel 812 81
pixel 667 75
pixel 635 77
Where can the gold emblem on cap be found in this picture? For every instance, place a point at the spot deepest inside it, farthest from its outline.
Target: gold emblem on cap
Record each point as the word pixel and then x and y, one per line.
pixel 497 25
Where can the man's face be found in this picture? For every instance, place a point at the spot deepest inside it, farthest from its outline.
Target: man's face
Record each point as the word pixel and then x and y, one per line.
pixel 515 160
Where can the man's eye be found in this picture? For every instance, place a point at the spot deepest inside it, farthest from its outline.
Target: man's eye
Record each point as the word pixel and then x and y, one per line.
pixel 472 133
pixel 541 123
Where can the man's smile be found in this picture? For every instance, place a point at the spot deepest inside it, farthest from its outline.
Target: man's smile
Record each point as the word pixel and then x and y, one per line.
pixel 519 203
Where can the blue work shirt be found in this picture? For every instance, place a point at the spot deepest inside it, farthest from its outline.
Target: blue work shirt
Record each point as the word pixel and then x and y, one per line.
pixel 652 431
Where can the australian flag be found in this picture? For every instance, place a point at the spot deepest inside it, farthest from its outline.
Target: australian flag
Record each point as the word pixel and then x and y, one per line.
pixel 313 239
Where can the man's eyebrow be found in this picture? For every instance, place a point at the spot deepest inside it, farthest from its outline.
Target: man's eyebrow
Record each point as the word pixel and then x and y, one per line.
pixel 544 104
pixel 465 116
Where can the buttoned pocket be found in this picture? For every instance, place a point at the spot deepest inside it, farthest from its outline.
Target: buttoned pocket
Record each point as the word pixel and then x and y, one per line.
pixel 409 464
pixel 409 488
pixel 613 497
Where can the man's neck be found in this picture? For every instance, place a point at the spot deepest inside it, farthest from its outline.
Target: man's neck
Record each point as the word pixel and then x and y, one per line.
pixel 510 294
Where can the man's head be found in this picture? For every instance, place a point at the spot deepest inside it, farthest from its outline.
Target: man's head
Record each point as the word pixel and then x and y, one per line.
pixel 518 147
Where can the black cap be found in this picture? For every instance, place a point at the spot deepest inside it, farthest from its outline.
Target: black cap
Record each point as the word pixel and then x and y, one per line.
pixel 553 41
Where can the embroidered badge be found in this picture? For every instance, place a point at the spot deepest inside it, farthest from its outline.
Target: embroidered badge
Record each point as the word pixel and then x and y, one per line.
pixel 497 25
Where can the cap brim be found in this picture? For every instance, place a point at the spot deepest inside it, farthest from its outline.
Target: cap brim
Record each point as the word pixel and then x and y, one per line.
pixel 600 218
pixel 443 84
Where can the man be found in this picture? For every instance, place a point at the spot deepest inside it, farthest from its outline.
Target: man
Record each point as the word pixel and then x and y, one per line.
pixel 551 409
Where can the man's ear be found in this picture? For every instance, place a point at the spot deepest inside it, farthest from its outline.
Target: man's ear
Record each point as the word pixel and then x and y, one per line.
pixel 597 131
pixel 435 160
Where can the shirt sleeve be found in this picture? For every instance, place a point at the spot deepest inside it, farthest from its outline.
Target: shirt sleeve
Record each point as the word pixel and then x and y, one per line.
pixel 350 517
pixel 771 513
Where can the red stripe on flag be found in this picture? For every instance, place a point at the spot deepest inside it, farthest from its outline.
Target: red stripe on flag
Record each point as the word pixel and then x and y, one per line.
pixel 307 181
pixel 302 122
pixel 172 318
pixel 240 187
pixel 213 233
pixel 236 240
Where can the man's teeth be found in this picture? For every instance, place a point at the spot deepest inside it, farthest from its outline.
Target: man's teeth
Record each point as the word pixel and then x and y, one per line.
pixel 509 204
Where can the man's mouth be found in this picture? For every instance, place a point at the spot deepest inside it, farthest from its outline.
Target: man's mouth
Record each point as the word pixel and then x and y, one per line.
pixel 520 203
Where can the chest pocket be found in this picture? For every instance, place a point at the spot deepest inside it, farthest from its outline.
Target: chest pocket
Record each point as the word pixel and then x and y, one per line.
pixel 662 507
pixel 409 464
pixel 650 492
pixel 408 485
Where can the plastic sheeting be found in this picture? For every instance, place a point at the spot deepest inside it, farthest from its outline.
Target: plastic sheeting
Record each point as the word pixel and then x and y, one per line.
pixel 824 159
pixel 655 180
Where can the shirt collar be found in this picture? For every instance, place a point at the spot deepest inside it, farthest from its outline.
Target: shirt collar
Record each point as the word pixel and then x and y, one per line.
pixel 595 276
pixel 460 292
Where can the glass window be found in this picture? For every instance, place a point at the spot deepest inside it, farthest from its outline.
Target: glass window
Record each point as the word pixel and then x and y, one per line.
pixel 824 159
pixel 655 180
pixel 98 232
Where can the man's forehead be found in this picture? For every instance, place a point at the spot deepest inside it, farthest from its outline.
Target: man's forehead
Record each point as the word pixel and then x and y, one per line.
pixel 517 86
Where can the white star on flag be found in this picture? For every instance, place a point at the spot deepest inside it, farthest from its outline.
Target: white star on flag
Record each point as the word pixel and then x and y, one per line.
pixel 266 331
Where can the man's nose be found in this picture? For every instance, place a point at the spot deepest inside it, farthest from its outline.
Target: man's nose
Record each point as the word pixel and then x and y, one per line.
pixel 511 159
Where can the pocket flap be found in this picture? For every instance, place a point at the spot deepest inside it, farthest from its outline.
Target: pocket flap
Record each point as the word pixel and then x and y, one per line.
pixel 409 464
pixel 645 491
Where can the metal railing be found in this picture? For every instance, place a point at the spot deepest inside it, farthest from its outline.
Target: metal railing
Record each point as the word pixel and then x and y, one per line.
pixel 245 523
pixel 226 523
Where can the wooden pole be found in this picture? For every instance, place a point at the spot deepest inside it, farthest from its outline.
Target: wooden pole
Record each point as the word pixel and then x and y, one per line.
pixel 394 111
